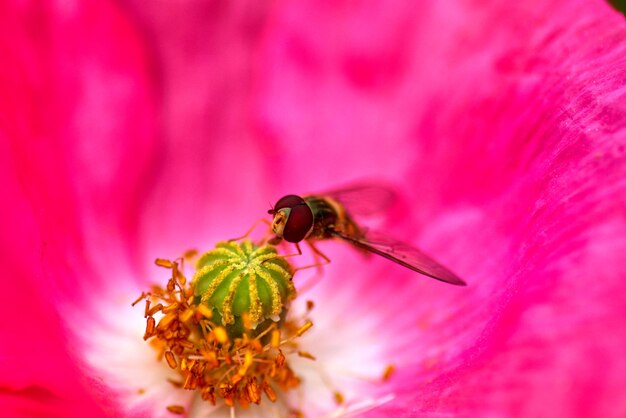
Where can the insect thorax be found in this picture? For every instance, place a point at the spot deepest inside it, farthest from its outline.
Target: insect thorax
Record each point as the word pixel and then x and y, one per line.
pixel 328 216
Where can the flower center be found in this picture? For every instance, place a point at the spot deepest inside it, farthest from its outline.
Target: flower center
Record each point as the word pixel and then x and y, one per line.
pixel 225 332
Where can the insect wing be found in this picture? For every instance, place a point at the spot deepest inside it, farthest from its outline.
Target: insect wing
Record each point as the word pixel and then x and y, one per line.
pixel 403 254
pixel 364 199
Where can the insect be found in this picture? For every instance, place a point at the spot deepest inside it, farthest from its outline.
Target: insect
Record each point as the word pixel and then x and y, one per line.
pixel 330 215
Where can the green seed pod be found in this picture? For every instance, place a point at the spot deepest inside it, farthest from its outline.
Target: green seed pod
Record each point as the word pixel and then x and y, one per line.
pixel 243 278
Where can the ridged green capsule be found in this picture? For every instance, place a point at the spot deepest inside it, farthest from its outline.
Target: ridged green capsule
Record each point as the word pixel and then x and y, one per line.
pixel 237 278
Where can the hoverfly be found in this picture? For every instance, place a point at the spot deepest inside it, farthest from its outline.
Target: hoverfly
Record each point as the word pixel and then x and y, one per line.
pixel 330 215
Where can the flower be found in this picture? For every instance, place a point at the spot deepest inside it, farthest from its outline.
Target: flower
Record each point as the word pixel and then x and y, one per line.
pixel 134 130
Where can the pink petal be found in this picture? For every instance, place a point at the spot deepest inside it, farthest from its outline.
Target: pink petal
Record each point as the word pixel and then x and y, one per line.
pixel 213 172
pixel 74 90
pixel 516 180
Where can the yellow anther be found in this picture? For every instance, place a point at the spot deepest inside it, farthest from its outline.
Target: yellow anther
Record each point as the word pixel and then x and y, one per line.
pixel 154 309
pixel 252 389
pixel 275 342
pixel 176 409
pixel 186 315
pixel 247 321
pixel 161 262
pixel 220 335
pixel 166 321
pixel 280 359
pixel 304 328
pixel 306 355
pixel 269 392
pixel 150 328
pixel 389 370
pixel 171 308
pixel 247 362
pixel 204 311
pixel 171 361
pixel 189 254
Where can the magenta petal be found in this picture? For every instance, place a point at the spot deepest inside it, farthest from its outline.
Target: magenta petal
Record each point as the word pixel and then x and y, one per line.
pixel 39 376
pixel 77 115
pixel 510 121
pixel 213 169
pixel 502 123
pixel 81 121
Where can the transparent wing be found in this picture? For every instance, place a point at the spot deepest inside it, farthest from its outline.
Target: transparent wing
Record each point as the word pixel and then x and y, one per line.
pixel 403 254
pixel 364 199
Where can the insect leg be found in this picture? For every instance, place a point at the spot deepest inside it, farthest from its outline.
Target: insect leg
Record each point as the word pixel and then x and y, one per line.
pixel 319 274
pixel 265 221
pixel 316 253
pixel 297 248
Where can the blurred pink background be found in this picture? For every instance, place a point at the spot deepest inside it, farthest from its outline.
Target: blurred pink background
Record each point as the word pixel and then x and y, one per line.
pixel 135 130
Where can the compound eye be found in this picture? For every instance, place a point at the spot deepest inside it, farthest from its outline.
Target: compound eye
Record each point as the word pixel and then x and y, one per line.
pixel 299 223
pixel 288 201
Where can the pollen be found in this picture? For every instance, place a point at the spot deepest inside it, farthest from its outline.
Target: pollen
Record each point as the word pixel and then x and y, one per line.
pixel 388 372
pixel 176 409
pixel 220 335
pixel 225 331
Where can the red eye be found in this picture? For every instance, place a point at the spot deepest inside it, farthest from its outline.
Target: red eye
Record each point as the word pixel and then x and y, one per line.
pixel 299 222
pixel 288 201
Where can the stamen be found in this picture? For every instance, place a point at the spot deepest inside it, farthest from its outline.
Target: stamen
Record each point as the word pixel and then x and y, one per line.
pixel 226 332
pixel 169 357
pixel 220 335
pixel 166 321
pixel 280 359
pixel 150 328
pixel 176 409
pixel 140 298
pixel 307 326
pixel 164 263
pixel 171 308
pixel 275 342
pixel 186 316
pixel 252 390
pixel 147 309
pixel 153 310
pixel 389 371
pixel 236 363
pixel 269 392
pixel 204 311
pixel 246 364
pixel 190 254
pixel 306 355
